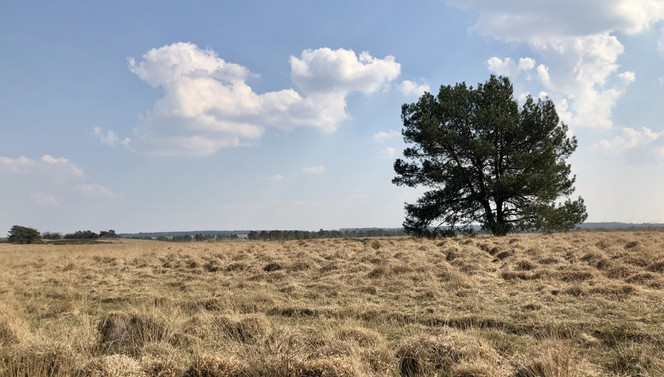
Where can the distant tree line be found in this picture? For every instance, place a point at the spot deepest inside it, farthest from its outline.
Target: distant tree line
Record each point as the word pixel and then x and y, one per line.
pixel 26 235
pixel 283 235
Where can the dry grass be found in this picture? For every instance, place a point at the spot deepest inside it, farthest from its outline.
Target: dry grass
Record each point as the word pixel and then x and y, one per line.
pixel 570 305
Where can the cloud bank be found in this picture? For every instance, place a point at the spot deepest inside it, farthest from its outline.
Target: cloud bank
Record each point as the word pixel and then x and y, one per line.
pixel 577 43
pixel 208 105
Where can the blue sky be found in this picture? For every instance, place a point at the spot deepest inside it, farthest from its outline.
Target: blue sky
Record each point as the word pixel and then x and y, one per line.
pixel 148 116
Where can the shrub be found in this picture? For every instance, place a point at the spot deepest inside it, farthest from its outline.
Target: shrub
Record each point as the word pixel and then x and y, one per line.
pixel 23 235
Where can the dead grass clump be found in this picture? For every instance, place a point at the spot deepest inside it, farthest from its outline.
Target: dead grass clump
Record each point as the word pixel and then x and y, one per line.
pixel 657 266
pixel 574 275
pixel 37 359
pixel 237 266
pixel 126 333
pixel 112 366
pixel 246 329
pixel 549 260
pixel 631 244
pixel 525 265
pixel 426 356
pixel 575 290
pixel 554 358
pixel 212 265
pixel 520 275
pixel 613 289
pixel 474 369
pixel 210 365
pixel 162 360
pixel 363 337
pixel 324 367
pixel 646 278
pixel 619 271
pixel 273 266
pixel 12 328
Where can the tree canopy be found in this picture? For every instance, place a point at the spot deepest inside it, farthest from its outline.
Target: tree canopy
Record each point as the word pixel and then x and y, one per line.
pixel 487 161
pixel 22 234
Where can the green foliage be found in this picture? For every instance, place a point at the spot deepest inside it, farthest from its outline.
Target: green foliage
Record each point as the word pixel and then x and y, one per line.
pixel 108 234
pixel 486 161
pixel 23 235
pixel 51 236
pixel 81 235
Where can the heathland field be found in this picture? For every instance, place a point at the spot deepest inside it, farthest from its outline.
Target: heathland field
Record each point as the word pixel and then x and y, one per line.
pixel 577 304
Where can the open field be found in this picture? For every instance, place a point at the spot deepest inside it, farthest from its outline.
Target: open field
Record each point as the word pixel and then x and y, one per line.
pixel 578 304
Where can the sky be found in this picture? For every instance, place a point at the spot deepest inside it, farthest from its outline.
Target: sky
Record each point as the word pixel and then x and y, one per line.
pixel 145 116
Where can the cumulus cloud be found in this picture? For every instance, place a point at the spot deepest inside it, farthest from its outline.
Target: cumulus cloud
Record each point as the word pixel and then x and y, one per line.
pixel 317 170
pixel 95 190
pixel 385 135
pixel 503 67
pixel 109 137
pixel 208 105
pixel 526 64
pixel 638 146
pixel 326 70
pixel 629 139
pixel 578 45
pixel 411 88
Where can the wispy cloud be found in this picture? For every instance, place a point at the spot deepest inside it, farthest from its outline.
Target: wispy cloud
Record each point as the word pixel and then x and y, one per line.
pixel 45 200
pixel 109 137
pixel 385 135
pixel 46 163
pixel 318 169
pixel 389 152
pixel 95 190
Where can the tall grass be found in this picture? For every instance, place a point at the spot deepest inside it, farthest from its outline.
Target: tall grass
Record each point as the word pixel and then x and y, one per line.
pixel 571 305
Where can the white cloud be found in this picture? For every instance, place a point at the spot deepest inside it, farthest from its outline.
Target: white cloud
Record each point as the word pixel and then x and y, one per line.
pixel 629 139
pixel 46 164
pixel 411 88
pixel 637 146
pixel 109 138
pixel 95 190
pixel 61 161
pixel 578 45
pixel 526 64
pixel 502 67
pixel 276 177
pixel 389 152
pixel 207 104
pixel 319 169
pixel 325 70
pixel 17 165
pixel 385 135
pixel 45 199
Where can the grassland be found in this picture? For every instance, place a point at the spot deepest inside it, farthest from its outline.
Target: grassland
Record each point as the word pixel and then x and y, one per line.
pixel 579 304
